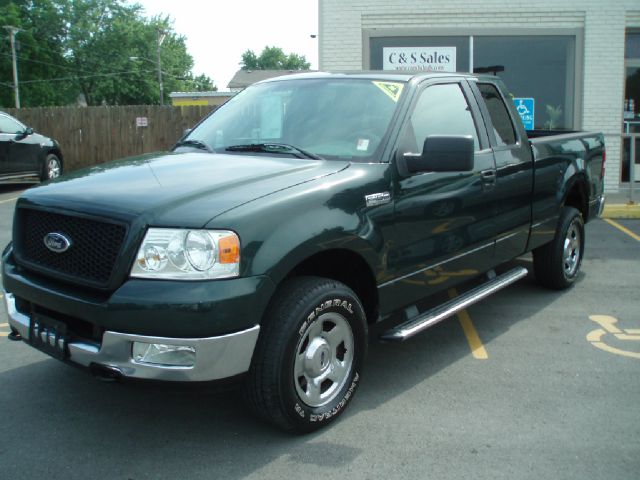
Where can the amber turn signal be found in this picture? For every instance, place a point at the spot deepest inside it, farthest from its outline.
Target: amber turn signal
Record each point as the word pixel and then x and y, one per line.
pixel 229 249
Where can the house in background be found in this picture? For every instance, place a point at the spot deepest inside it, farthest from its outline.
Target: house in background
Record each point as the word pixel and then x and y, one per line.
pixel 185 99
pixel 243 78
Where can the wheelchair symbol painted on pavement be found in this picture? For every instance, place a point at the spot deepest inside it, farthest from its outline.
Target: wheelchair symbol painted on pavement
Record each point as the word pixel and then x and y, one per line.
pixel 604 338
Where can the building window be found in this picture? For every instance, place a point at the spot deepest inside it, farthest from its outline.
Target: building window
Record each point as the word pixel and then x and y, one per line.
pixel 538 68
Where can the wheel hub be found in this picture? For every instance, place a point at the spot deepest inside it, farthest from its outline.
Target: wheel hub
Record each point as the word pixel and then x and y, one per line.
pixel 571 253
pixel 323 361
pixel 317 358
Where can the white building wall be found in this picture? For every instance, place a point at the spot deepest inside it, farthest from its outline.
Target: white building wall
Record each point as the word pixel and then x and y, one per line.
pixel 603 21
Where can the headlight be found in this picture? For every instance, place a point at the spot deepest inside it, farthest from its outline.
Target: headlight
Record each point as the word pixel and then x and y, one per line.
pixel 179 254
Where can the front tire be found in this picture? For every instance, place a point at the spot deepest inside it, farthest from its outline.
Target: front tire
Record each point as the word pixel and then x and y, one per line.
pixel 557 264
pixel 308 361
pixel 51 168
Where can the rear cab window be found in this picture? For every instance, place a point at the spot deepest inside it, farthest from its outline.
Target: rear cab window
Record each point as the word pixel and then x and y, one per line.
pixel 503 129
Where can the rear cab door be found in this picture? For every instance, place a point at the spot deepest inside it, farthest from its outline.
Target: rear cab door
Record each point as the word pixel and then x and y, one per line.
pixel 514 168
pixel 443 221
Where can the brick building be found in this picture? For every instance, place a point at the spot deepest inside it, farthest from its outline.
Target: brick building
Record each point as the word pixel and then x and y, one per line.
pixel 577 61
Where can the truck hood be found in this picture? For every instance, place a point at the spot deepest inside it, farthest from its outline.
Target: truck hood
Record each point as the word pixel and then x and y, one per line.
pixel 176 189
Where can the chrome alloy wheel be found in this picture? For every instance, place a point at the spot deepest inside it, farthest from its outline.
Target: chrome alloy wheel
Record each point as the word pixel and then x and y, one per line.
pixel 324 358
pixel 572 249
pixel 53 167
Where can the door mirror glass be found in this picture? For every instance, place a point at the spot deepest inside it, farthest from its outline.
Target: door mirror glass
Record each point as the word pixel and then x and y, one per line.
pixel 440 153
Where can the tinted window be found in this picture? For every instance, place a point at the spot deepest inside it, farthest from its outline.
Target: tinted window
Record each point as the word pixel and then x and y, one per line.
pixel 440 110
pixel 8 125
pixel 502 126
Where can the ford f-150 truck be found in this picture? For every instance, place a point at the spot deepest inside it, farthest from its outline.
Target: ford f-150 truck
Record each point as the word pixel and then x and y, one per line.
pixel 289 221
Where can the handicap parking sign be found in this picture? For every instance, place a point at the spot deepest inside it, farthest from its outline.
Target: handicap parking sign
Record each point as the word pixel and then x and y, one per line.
pixel 526 109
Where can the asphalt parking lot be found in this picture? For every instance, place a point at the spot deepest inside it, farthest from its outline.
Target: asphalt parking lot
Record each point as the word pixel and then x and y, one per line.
pixel 550 391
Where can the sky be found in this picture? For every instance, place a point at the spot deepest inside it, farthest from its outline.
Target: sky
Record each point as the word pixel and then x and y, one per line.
pixel 218 32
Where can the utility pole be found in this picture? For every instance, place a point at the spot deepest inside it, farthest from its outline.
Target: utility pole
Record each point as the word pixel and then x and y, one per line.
pixel 12 34
pixel 161 36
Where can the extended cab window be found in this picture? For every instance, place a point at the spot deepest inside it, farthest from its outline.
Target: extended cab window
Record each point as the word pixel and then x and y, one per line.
pixel 502 125
pixel 440 110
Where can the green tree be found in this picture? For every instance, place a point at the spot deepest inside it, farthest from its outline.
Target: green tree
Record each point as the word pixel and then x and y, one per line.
pixel 273 58
pixel 104 49
pixel 202 83
pixel 40 52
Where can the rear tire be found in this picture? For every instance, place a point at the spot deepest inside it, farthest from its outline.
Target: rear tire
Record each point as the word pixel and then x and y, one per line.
pixel 308 361
pixel 557 264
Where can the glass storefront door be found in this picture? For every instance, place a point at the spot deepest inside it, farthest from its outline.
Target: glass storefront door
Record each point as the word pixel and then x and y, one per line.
pixel 631 114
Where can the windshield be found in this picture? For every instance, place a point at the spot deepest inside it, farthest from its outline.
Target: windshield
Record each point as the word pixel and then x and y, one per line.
pixel 330 118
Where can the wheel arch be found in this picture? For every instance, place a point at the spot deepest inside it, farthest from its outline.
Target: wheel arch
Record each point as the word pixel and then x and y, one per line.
pixel 56 151
pixel 576 195
pixel 345 266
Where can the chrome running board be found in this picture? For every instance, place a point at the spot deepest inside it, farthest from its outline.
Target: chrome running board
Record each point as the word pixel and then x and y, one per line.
pixel 427 319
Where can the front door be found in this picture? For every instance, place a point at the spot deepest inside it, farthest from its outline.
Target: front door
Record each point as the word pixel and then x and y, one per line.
pixel 18 154
pixel 444 229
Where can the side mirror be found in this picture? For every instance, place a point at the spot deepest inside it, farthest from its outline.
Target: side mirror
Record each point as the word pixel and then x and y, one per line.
pixel 440 153
pixel 23 134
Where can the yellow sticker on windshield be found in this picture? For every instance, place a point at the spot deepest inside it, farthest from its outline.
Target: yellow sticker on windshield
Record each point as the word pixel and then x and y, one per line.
pixel 391 89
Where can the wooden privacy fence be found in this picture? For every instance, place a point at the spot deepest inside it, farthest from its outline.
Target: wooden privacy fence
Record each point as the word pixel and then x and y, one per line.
pixel 92 135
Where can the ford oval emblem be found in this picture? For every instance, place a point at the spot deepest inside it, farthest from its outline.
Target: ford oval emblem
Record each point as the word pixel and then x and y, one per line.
pixel 57 242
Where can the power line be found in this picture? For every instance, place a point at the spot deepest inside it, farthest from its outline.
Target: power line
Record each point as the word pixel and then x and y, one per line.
pixel 75 77
pixel 23 59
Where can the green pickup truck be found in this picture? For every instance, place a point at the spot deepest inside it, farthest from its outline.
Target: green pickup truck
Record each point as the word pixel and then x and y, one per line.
pixel 288 222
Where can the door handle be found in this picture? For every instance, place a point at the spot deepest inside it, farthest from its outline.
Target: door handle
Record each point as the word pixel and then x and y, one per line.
pixel 488 179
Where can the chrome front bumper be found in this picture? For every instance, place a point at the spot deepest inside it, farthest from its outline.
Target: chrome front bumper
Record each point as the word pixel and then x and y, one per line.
pixel 216 357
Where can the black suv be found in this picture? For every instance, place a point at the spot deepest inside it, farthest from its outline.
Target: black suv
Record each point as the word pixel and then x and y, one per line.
pixel 26 156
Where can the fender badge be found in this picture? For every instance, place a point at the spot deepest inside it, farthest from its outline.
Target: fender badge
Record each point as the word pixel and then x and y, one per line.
pixel 56 242
pixel 377 199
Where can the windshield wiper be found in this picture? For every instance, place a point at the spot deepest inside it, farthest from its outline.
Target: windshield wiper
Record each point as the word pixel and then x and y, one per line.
pixel 273 148
pixel 190 142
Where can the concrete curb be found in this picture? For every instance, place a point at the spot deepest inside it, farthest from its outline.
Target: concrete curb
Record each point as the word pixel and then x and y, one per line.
pixel 621 210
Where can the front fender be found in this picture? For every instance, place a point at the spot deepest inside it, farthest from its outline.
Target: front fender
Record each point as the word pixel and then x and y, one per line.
pixel 283 229
pixel 302 237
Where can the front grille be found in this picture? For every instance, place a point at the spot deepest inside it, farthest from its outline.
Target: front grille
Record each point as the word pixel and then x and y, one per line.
pixel 95 245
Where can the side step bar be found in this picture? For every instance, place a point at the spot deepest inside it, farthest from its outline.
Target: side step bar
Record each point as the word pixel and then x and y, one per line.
pixel 429 318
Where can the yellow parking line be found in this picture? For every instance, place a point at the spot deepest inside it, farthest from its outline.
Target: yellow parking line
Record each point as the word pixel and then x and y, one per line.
pixel 475 344
pixel 8 200
pixel 622 229
pixel 4 334
pixel 4 324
